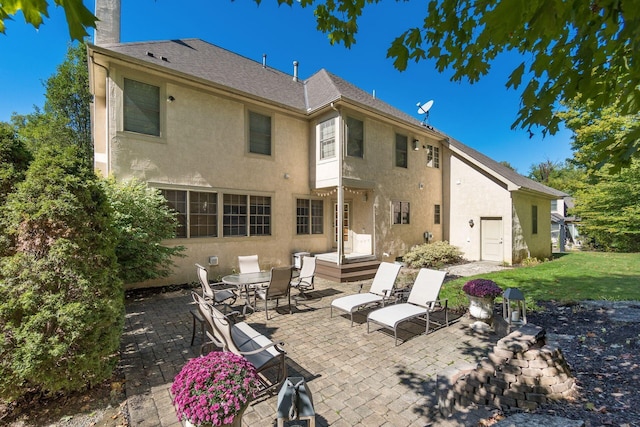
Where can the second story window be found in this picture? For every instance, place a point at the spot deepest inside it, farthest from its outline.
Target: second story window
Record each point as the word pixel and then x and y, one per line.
pixel 141 108
pixel 259 133
pixel 327 139
pixel 401 212
pixel 355 137
pixel 401 151
pixel 433 156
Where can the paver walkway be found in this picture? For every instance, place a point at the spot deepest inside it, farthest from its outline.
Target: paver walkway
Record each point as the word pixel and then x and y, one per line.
pixel 356 379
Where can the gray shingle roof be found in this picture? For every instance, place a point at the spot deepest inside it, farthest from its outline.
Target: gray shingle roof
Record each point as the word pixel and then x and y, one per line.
pixel 226 69
pixel 211 63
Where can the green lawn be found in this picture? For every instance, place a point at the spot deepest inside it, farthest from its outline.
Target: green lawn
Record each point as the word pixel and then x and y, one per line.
pixel 569 277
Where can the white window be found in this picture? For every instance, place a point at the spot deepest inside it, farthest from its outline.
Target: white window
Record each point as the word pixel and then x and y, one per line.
pixel 197 212
pixel 141 108
pixel 327 139
pixel 433 156
pixel 309 216
pixel 401 212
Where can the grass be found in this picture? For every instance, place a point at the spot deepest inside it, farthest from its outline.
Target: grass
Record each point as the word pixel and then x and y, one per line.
pixel 568 278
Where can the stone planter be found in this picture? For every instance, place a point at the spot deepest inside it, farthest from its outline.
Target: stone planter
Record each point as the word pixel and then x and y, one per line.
pixel 481 308
pixel 237 421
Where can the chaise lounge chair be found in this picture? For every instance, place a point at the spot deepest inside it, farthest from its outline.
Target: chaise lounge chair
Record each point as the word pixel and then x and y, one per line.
pixel 381 290
pixel 422 300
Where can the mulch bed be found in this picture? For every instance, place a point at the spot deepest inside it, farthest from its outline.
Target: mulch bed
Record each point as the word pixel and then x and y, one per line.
pixel 604 356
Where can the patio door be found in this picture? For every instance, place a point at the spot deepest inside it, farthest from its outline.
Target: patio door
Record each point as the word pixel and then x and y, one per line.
pixel 346 223
pixel 492 247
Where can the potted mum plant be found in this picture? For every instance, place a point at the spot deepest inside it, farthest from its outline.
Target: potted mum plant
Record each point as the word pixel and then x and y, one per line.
pixel 214 390
pixel 481 293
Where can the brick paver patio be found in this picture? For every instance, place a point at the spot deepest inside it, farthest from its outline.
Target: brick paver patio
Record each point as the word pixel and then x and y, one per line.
pixel 356 379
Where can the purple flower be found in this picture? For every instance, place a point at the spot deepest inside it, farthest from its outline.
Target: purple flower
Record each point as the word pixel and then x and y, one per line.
pixel 214 388
pixel 483 288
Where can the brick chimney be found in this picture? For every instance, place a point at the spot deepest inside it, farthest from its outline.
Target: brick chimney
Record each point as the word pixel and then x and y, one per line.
pixel 108 25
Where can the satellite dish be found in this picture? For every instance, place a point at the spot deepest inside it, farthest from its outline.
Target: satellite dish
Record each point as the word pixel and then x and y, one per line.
pixel 424 108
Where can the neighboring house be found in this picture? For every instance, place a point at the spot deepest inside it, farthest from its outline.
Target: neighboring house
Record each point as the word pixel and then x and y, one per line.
pixel 257 161
pixel 564 229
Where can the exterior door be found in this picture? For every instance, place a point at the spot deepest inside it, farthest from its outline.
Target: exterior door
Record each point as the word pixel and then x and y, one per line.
pixel 492 247
pixel 346 235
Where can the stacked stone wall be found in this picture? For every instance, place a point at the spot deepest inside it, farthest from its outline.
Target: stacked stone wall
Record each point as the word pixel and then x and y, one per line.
pixel 523 371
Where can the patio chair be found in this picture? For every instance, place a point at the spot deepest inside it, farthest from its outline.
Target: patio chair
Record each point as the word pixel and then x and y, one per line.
pixel 279 287
pixel 240 338
pixel 215 293
pixel 248 264
pixel 304 282
pixel 423 299
pixel 381 290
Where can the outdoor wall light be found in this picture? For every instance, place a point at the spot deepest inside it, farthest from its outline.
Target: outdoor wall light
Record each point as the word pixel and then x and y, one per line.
pixel 170 98
pixel 471 223
pixel 416 145
pixel 420 186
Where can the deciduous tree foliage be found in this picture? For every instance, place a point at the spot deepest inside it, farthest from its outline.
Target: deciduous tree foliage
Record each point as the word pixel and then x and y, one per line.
pixel 79 18
pixel 609 210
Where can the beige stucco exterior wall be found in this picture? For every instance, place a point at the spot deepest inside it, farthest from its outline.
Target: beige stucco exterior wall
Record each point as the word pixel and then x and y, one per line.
pixel 475 195
pixel 525 242
pixel 392 183
pixel 203 147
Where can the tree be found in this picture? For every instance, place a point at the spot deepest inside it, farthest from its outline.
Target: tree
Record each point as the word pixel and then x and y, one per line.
pixel 569 49
pixel 564 176
pixel 68 99
pixel 66 114
pixel 14 160
pixel 79 18
pixel 599 135
pixel 609 209
pixel 61 301
pixel 142 220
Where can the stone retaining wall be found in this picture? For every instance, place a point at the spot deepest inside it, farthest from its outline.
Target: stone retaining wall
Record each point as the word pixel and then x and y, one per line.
pixel 522 371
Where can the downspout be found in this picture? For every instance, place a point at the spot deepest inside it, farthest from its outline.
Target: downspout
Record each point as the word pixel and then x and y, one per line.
pixel 107 145
pixel 340 203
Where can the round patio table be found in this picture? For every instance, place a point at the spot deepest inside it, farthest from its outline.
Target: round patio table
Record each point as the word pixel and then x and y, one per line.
pixel 247 281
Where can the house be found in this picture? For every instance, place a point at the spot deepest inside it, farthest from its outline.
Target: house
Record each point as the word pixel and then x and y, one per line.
pixel 258 161
pixel 564 228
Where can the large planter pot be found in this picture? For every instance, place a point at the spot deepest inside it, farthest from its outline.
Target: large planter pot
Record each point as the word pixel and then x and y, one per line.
pixel 237 421
pixel 481 308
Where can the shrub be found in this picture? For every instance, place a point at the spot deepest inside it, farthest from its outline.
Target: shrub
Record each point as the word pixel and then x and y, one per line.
pixel 142 220
pixel 61 301
pixel 433 255
pixel 213 389
pixel 482 288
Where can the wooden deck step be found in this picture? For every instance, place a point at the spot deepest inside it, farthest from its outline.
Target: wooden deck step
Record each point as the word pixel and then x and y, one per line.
pixel 351 272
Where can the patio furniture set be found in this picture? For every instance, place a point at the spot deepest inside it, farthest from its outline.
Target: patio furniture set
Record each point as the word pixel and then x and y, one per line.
pixel 216 316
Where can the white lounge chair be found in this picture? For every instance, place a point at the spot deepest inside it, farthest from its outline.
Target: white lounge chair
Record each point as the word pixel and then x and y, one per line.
pixel 422 300
pixel 381 290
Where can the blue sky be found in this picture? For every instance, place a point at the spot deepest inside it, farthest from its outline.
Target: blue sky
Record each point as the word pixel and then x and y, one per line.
pixel 479 115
